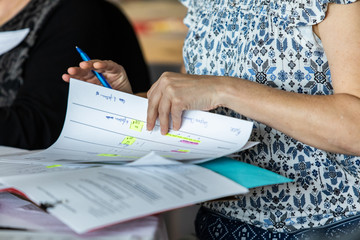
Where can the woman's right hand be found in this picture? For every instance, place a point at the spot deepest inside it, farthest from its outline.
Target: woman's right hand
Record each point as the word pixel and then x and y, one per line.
pixel 114 74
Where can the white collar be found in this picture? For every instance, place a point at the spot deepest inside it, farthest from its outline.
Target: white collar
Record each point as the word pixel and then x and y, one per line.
pixel 10 39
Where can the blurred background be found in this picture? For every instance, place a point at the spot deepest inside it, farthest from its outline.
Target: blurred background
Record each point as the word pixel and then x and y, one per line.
pixel 160 29
pixel 161 33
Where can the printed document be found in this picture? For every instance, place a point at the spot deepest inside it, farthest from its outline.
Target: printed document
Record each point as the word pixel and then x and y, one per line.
pixel 104 125
pixel 92 198
pixel 16 213
pixel 106 168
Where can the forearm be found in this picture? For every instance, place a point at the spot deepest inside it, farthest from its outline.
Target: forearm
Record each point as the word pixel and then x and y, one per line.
pixel 328 122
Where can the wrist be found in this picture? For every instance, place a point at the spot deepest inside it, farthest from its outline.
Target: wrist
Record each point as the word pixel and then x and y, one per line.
pixel 226 92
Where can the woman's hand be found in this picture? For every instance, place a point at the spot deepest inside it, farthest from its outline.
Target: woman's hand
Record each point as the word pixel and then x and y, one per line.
pixel 114 73
pixel 174 92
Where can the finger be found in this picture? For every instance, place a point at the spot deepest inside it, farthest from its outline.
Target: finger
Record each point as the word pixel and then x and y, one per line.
pixel 66 77
pixel 152 111
pixel 109 66
pixel 80 73
pixel 176 115
pixel 164 114
pixel 88 65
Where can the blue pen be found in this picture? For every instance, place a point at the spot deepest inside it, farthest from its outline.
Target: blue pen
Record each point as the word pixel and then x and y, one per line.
pixel 101 78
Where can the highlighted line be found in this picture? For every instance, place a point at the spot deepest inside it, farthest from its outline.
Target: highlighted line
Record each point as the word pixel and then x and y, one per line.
pixel 108 155
pixel 180 151
pixel 54 166
pixel 114 155
pixel 188 140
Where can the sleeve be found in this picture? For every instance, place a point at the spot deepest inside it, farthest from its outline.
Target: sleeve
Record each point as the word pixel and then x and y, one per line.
pixel 341 1
pixel 35 119
pixel 326 2
pixel 314 12
pixel 302 13
pixel 189 19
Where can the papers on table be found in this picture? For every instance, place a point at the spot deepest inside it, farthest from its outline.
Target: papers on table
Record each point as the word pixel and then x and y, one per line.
pixel 16 213
pixel 104 125
pixel 87 199
pixel 10 169
pixel 106 168
pixel 9 151
pixel 10 39
pixel 18 169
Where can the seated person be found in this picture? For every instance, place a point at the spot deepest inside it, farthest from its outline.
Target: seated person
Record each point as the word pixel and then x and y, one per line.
pixel 33 97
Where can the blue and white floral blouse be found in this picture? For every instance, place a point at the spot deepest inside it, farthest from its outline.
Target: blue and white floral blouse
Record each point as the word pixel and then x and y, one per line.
pixel 271 42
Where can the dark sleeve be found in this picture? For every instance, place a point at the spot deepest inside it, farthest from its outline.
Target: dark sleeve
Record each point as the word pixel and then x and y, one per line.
pixel 36 117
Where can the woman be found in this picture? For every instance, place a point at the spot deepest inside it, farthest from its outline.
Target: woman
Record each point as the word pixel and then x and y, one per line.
pixel 33 97
pixel 292 68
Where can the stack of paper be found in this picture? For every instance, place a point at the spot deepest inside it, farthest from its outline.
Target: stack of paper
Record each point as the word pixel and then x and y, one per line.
pixel 107 168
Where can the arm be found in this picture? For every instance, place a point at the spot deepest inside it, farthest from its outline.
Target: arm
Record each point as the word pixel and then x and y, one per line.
pixel 327 122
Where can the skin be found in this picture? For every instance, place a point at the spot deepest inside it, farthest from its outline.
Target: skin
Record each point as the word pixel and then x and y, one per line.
pixel 328 122
pixel 9 8
pixel 114 73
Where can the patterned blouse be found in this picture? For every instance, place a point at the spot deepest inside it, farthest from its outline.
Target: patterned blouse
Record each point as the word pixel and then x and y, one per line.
pixel 271 42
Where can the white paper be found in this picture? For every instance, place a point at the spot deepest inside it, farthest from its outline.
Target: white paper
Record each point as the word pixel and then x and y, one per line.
pixel 248 145
pixel 92 198
pixel 135 233
pixel 17 169
pixel 10 39
pixel 107 125
pixel 7 151
pixel 151 159
pixel 21 214
pixel 104 125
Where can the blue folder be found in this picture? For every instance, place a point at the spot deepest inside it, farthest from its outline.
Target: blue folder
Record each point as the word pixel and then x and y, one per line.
pixel 245 174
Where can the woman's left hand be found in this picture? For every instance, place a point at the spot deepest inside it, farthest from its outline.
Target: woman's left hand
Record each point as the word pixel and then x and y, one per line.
pixel 173 93
pixel 114 73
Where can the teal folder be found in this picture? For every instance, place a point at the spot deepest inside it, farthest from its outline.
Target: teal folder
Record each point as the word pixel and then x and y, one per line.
pixel 245 174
